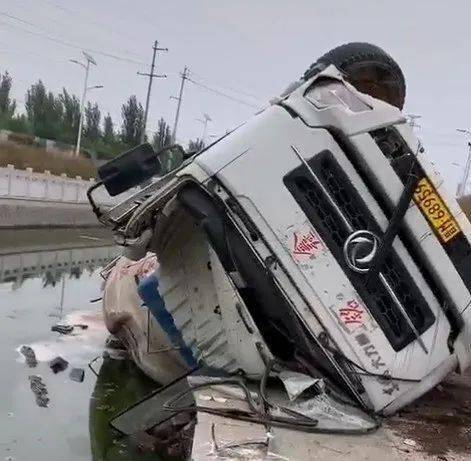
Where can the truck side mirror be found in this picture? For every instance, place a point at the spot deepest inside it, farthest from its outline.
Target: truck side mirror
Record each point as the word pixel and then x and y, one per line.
pixel 129 169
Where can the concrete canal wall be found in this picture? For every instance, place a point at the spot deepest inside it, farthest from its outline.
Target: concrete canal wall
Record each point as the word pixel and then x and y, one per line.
pixel 30 199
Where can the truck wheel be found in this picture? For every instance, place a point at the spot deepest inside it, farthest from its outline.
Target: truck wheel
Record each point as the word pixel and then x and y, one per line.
pixel 368 68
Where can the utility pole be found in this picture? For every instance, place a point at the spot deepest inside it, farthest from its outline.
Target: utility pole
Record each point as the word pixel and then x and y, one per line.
pixel 464 182
pixel 151 76
pixel 179 99
pixel 411 118
pixel 206 119
pixel 86 66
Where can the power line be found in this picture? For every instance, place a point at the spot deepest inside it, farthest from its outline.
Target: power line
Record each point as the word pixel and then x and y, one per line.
pixel 49 19
pixel 121 58
pixel 16 18
pixel 90 20
pixel 220 93
pixel 235 90
pixel 73 45
pixel 16 51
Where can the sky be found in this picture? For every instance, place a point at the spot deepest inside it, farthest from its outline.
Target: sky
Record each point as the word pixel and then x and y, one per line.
pixel 247 51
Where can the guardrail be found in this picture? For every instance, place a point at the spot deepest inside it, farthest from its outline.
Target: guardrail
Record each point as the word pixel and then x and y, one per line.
pixel 30 185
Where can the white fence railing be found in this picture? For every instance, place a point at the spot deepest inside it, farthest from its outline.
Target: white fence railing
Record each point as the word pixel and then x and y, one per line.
pixel 29 185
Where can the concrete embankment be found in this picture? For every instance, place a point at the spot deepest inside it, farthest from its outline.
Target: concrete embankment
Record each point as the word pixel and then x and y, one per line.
pixel 35 213
pixel 31 199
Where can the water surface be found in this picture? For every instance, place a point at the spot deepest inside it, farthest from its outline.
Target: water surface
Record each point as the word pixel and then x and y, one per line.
pixel 49 277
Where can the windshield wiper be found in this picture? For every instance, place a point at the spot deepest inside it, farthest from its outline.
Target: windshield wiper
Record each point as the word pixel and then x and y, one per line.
pixel 395 223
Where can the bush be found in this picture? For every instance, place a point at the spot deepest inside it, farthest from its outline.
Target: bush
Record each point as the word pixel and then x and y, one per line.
pixel 103 150
pixel 18 124
pixel 21 138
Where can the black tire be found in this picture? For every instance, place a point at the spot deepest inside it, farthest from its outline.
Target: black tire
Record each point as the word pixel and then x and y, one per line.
pixel 368 68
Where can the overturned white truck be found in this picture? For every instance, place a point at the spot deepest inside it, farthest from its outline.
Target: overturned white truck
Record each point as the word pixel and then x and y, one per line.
pixel 315 239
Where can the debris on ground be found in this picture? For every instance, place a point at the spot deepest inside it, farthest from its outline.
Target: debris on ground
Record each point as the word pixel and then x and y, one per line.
pixel 77 374
pixel 62 329
pixel 175 436
pixel 67 329
pixel 30 356
pixel 58 364
pixel 409 442
pixel 39 390
pixel 441 414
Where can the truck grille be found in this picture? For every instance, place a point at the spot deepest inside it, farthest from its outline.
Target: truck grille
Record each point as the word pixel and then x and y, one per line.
pixel 319 210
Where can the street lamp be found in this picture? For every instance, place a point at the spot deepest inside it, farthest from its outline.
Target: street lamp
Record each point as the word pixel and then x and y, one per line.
pixel 462 186
pixel 411 120
pixel 89 60
pixel 207 119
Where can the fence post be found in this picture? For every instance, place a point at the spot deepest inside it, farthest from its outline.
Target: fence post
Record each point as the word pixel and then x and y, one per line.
pixel 28 179
pixel 11 168
pixel 78 179
pixel 63 176
pixel 47 179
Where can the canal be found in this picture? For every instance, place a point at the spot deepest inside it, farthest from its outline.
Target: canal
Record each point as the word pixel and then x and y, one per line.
pixel 50 277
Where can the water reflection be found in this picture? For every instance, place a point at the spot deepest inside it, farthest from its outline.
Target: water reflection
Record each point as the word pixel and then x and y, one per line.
pixel 50 263
pixel 45 275
pixel 119 385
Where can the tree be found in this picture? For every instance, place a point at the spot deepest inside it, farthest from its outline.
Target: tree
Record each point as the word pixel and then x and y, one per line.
pixel 18 123
pixel 35 102
pixel 163 136
pixel 44 111
pixel 7 105
pixel 195 146
pixel 71 116
pixel 133 121
pixel 108 130
pixel 92 122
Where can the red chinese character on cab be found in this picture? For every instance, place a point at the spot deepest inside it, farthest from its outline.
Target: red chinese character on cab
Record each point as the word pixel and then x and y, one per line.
pixel 353 314
pixel 306 244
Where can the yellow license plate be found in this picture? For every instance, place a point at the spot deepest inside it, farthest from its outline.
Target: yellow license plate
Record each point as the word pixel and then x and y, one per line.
pixel 429 201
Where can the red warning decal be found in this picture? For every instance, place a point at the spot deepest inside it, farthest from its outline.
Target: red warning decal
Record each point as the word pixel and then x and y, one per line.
pixel 352 315
pixel 306 244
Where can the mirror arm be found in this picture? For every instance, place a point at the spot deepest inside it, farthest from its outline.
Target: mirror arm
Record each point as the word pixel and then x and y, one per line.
pixel 95 208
